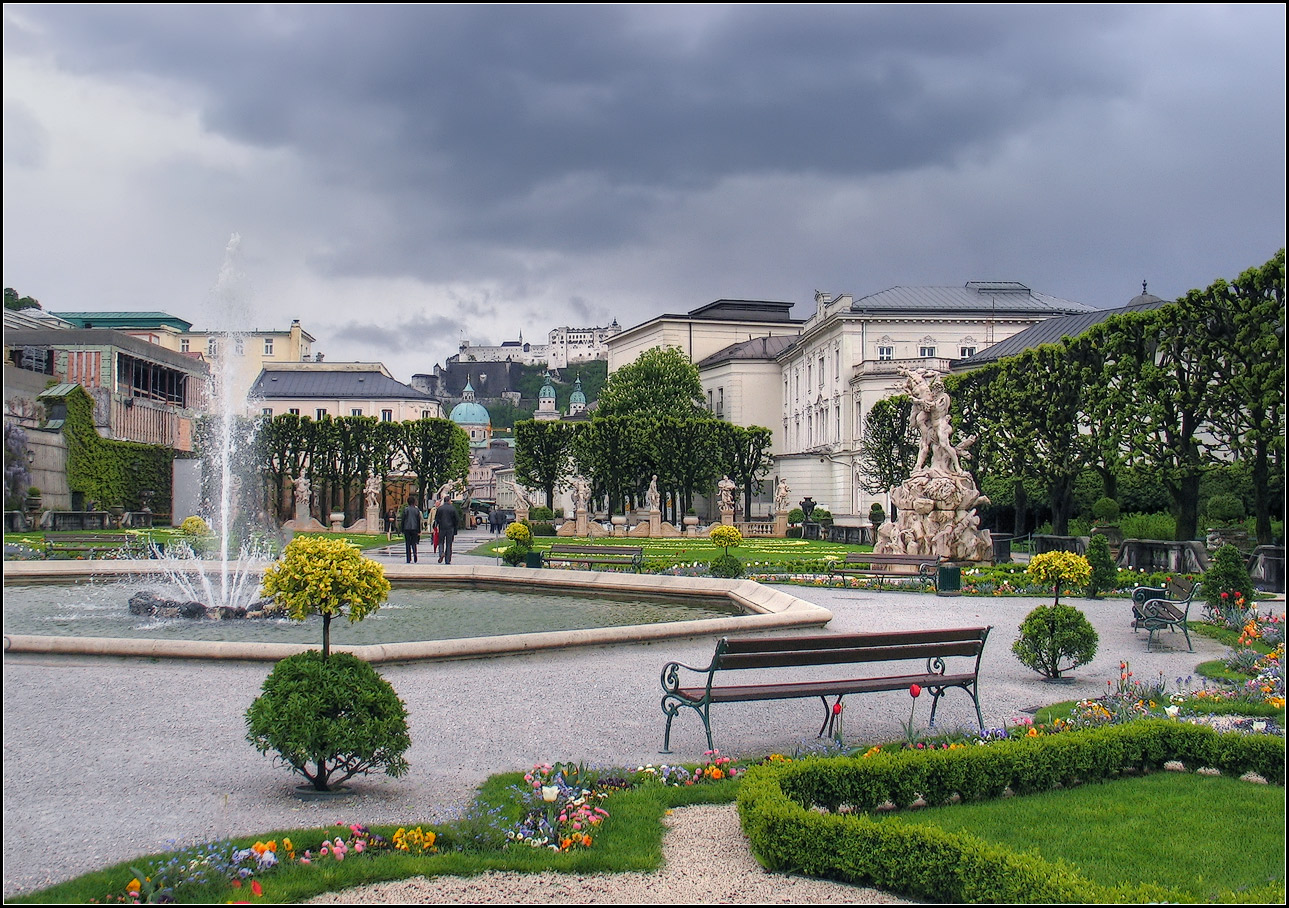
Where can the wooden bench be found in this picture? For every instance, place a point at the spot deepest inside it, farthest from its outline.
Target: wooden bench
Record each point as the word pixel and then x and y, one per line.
pixel 870 564
pixel 828 650
pixel 1155 608
pixel 91 543
pixel 631 556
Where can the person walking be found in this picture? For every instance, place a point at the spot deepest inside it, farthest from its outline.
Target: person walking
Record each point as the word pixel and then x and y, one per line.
pixel 411 529
pixel 447 522
pixel 430 518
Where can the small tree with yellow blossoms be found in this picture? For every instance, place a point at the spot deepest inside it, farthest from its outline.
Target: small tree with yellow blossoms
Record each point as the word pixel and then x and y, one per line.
pixel 326 577
pixel 726 565
pixel 1056 638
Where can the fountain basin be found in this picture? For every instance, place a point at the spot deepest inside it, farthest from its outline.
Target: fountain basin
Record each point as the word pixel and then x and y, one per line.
pixel 760 608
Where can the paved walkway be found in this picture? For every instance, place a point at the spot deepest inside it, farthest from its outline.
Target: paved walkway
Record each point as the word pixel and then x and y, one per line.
pixel 108 758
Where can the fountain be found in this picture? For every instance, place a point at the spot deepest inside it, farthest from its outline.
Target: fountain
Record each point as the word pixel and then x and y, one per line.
pixel 936 504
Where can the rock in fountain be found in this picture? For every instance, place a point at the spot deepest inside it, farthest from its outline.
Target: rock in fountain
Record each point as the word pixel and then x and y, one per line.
pixel 937 503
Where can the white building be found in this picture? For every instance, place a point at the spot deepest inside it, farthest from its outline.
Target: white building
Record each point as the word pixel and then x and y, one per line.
pixel 813 382
pixel 564 345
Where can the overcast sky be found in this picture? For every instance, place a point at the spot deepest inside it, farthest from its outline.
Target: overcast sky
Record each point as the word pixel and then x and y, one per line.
pixel 405 177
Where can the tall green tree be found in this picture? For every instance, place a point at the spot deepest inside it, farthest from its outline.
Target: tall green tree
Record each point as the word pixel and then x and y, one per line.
pixel 662 380
pixel 744 455
pixel 437 451
pixel 685 453
pixel 544 454
pixel 612 452
pixel 283 443
pixel 888 448
pixel 1163 373
pixel 1248 324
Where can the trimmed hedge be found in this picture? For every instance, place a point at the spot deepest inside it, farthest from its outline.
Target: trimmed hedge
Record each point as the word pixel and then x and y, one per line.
pixel 777 805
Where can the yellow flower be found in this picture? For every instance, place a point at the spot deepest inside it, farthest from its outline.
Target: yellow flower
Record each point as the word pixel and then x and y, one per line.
pixel 133 886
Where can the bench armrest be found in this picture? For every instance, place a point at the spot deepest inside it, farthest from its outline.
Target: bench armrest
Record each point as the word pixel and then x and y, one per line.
pixel 671 674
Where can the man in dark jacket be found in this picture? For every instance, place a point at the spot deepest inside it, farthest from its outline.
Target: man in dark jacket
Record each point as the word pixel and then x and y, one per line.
pixel 411 529
pixel 445 518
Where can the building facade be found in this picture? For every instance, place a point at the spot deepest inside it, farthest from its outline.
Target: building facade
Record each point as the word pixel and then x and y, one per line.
pixel 320 389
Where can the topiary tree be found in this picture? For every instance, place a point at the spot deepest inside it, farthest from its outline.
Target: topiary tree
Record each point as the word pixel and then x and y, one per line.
pixel 329 719
pixel 1228 589
pixel 876 514
pixel 1057 569
pixel 726 565
pixel 1105 511
pixel 1055 639
pixel 521 543
pixel 1225 510
pixel 1104 575
pixel 327 577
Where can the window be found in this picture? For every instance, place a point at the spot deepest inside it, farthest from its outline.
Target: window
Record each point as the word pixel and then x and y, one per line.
pixel 810 376
pixel 821 371
pixel 426 414
pixel 322 411
pixel 720 403
pixel 885 354
pixel 964 352
pixel 238 349
pixel 926 351
pixel 268 346
pixel 183 345
pixel 212 347
pixel 294 411
pixel 836 365
pixel 785 392
pixel 711 405
pixel 267 411
pixel 386 415
pixel 837 437
pixel 355 411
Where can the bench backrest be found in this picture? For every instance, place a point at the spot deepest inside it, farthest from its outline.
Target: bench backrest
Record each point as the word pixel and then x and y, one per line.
pixel 1180 589
pixel 831 649
pixel 104 538
pixel 873 558
pixel 596 550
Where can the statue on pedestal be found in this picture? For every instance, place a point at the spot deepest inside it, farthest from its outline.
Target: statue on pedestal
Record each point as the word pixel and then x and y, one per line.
pixel 782 497
pixel 726 489
pixel 651 496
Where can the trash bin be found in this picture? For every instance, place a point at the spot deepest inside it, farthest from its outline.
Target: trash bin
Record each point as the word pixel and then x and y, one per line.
pixel 532 559
pixel 949 582
pixel 1002 547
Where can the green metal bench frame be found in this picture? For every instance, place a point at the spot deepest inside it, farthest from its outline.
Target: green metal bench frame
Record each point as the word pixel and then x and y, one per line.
pixel 631 556
pixel 1155 608
pixel 894 566
pixel 839 649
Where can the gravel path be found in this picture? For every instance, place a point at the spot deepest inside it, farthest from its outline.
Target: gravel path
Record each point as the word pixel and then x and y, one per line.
pixel 108 758
pixel 692 874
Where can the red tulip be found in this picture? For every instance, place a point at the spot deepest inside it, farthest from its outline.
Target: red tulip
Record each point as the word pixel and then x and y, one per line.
pixel 836 708
pixel 915 691
pixel 256 887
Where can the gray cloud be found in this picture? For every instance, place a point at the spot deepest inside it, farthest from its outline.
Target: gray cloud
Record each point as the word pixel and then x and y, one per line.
pixel 523 166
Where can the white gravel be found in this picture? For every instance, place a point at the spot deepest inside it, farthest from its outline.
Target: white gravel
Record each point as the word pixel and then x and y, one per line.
pixel 106 759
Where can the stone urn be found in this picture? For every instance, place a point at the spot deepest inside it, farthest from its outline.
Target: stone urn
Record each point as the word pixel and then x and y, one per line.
pixel 690 520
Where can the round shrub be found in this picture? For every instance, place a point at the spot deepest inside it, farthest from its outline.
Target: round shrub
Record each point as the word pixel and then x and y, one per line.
pixel 796 515
pixel 1105 575
pixel 1105 510
pixel 727 566
pixel 1225 510
pixel 541 512
pixel 876 514
pixel 1055 639
pixel 329 719
pixel 194 526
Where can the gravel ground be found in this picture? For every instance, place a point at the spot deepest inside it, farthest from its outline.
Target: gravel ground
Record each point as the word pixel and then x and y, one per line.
pixel 109 758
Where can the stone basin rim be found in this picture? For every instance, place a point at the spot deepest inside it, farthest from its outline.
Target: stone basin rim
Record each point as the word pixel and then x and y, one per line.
pixel 765 609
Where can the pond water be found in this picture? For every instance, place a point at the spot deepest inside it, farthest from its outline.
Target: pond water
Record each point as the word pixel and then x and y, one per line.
pixel 414 612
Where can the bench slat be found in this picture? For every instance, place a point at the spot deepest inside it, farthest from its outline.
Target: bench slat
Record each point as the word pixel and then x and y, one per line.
pixel 849 641
pixel 746 692
pixel 838 656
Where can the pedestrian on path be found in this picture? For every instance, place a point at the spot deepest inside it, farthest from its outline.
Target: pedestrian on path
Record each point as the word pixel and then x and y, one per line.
pixel 446 522
pixel 411 529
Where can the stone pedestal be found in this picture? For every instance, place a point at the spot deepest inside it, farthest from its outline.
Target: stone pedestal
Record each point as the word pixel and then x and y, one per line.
pixel 655 522
pixel 302 514
pixel 619 522
pixel 727 516
pixel 337 521
pixel 581 522
pixel 781 525
pixel 521 513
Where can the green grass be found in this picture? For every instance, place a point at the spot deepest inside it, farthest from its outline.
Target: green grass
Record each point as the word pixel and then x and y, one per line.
pixel 757 554
pixel 1159 828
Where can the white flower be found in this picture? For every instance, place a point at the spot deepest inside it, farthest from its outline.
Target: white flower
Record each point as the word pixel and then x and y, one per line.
pixel 550 793
pixel 1172 711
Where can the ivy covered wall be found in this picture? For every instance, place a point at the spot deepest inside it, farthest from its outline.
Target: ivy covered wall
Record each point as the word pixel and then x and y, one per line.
pixel 110 472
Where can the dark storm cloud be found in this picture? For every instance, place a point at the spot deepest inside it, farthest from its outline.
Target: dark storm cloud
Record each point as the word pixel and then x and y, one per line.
pixel 565 125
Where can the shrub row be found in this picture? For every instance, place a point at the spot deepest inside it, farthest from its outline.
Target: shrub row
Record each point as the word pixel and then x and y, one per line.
pixel 778 805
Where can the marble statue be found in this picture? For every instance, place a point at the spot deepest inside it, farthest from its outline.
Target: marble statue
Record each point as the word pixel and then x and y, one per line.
pixel 373 491
pixel 726 488
pixel 782 497
pixel 651 496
